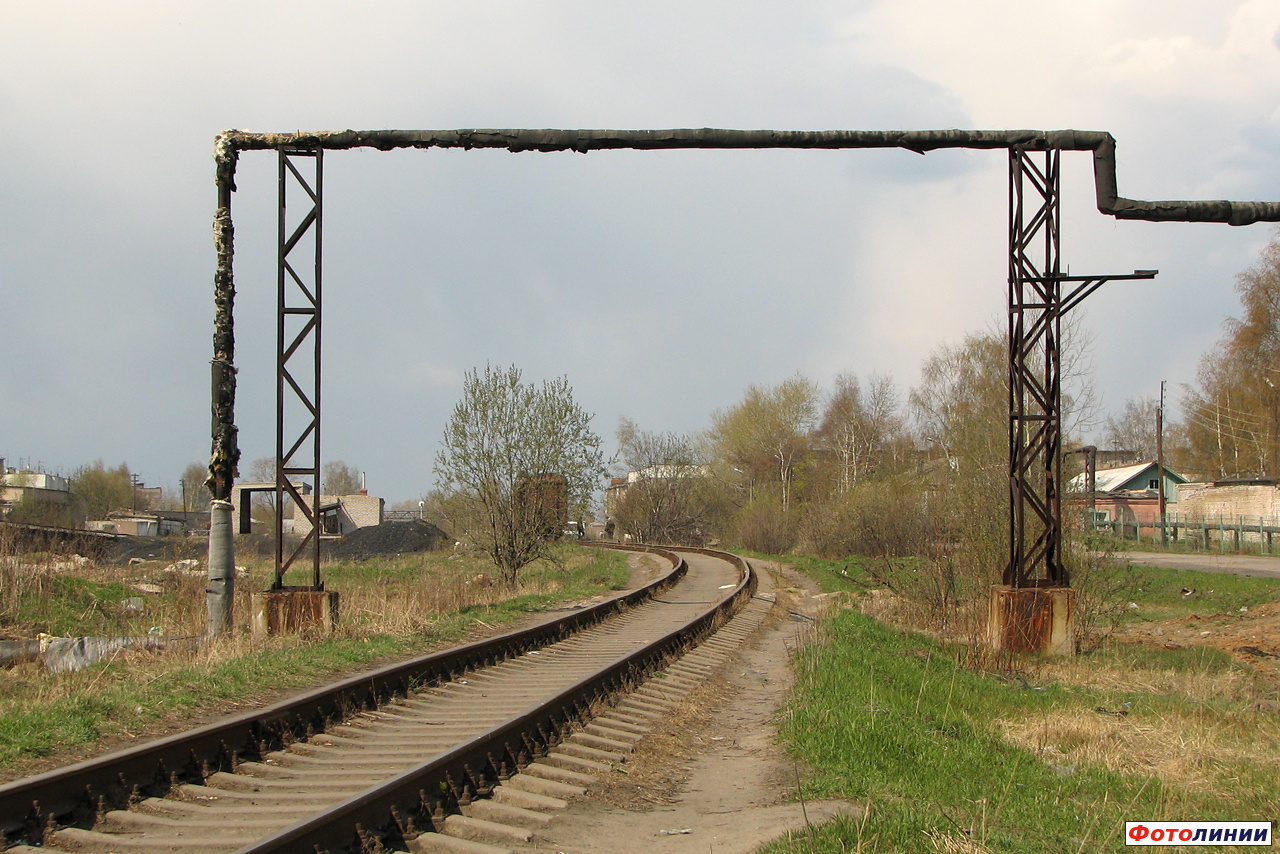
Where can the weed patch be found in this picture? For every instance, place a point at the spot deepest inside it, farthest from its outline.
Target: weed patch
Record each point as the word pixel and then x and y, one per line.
pixel 950 759
pixel 392 608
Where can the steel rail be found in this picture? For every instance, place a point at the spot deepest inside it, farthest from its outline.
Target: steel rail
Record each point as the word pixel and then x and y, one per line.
pixel 79 793
pixel 389 814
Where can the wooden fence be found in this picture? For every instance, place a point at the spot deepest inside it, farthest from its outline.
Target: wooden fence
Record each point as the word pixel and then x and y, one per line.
pixel 1225 533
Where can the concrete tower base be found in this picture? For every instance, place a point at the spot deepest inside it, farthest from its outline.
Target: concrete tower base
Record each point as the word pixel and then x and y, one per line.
pixel 1032 619
pixel 294 609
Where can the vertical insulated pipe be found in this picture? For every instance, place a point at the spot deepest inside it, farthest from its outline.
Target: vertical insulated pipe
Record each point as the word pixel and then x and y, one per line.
pixel 225 454
pixel 222 570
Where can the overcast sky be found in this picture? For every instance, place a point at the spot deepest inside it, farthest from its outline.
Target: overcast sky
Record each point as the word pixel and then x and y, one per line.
pixel 661 284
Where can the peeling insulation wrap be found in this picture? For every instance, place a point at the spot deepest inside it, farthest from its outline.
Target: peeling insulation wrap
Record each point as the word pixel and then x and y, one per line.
pixel 225 453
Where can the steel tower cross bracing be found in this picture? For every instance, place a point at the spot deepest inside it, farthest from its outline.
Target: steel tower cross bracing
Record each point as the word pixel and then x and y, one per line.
pixel 1039 297
pixel 1035 377
pixel 298 285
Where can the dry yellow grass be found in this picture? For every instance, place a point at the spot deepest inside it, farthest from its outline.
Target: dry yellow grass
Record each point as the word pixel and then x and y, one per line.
pixel 1189 751
pixel 1199 686
pixel 1196 729
pixel 953 843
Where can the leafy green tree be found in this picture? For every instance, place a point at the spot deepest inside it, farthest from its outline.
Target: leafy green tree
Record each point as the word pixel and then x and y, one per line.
pixel 101 490
pixel 32 511
pixel 503 435
pixel 961 410
pixel 961 405
pixel 766 436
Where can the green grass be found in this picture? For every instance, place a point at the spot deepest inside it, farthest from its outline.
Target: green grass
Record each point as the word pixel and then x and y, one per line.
pixel 72 604
pixel 889 718
pixel 1186 659
pixel 113 701
pixel 854 574
pixel 1158 593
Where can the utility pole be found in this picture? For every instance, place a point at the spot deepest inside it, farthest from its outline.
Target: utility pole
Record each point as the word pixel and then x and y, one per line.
pixel 1164 534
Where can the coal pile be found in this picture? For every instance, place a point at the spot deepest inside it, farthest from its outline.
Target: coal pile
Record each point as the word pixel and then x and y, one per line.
pixel 389 538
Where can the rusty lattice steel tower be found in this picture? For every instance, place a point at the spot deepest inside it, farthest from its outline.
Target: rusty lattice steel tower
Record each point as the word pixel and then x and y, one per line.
pixel 1036 305
pixel 298 289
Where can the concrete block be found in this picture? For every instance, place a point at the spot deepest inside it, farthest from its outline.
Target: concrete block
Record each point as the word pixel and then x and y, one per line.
pixel 292 609
pixel 1032 619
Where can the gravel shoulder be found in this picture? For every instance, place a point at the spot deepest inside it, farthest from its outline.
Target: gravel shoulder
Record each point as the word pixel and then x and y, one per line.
pixel 713 777
pixel 1247 565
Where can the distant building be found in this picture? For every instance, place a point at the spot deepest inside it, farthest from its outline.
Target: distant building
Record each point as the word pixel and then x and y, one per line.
pixel 341 514
pixel 142 523
pixel 1233 501
pixel 1130 493
pixel 146 497
pixel 30 486
pixel 242 502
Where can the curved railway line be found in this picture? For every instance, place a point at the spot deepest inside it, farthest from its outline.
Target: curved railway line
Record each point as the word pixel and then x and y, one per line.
pixel 467 750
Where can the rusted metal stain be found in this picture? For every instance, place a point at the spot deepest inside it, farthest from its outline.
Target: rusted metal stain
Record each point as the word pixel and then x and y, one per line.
pixel 288 611
pixel 1032 620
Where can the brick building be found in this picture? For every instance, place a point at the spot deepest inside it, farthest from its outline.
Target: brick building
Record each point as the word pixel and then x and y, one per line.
pixel 1230 501
pixel 342 514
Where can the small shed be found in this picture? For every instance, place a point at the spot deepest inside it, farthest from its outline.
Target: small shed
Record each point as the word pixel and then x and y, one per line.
pixel 1130 493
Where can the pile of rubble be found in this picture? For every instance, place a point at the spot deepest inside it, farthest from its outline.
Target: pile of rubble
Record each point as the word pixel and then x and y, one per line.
pixel 389 538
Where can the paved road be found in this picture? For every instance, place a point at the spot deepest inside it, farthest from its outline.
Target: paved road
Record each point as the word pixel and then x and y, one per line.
pixel 1247 565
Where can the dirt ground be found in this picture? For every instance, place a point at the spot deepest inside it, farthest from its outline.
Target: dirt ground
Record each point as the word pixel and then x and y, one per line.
pixel 1253 636
pixel 712 778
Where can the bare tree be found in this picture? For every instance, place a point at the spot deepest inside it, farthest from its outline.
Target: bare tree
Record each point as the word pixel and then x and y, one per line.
pixel 860 430
pixel 338 478
pixel 1233 412
pixel 1134 429
pixel 195 496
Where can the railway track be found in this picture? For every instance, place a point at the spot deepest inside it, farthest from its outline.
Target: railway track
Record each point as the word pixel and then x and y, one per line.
pixel 453 752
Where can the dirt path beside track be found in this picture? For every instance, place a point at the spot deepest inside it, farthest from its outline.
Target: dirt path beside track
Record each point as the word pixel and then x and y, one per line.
pixel 713 778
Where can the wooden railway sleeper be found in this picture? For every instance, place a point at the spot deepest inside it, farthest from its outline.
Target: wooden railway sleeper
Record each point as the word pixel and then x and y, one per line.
pixel 267 736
